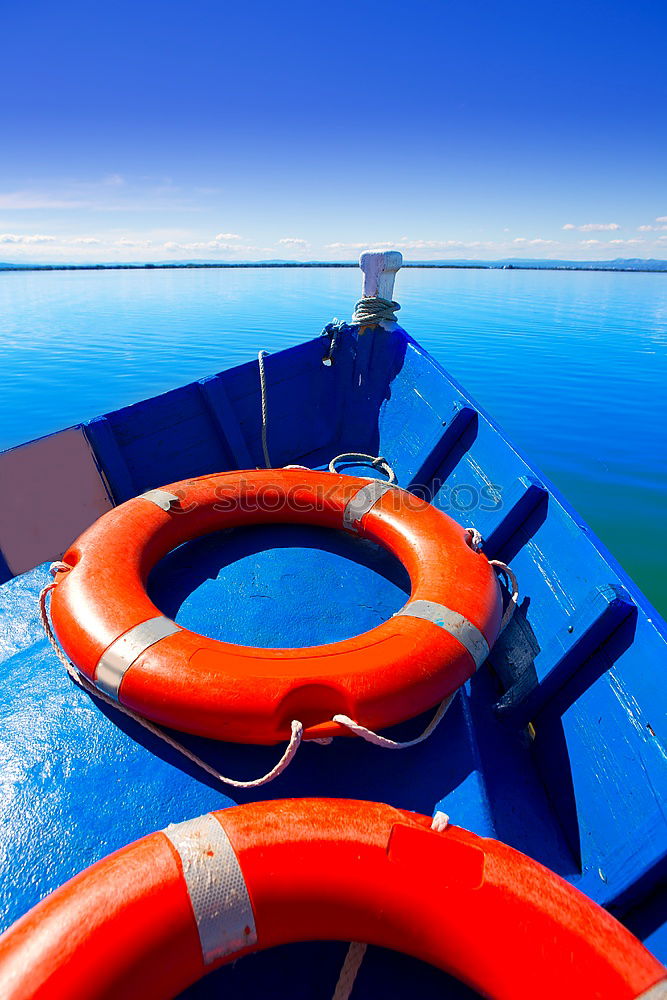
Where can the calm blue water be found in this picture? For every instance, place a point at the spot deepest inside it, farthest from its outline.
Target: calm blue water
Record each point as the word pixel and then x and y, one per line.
pixel 572 364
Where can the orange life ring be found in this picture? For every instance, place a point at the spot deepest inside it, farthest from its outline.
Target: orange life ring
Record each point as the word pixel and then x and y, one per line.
pixel 156 916
pixel 116 636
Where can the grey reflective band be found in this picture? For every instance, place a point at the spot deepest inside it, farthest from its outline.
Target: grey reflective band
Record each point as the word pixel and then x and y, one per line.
pixel 161 498
pixel 362 501
pixel 657 992
pixel 452 622
pixel 217 889
pixel 121 654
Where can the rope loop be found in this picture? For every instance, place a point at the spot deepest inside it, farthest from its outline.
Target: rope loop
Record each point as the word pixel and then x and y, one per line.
pixel 332 330
pixel 387 744
pixel 514 599
pixel 475 541
pixel 296 736
pixel 359 458
pixel 371 310
pixel 83 682
pixel 59 567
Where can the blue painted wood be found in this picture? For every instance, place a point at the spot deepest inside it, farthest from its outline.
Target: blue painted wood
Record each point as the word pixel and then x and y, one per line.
pixel 5 572
pixel 585 796
pixel 462 423
pixel 165 439
pixel 110 458
pixel 603 611
pixel 498 522
pixel 225 420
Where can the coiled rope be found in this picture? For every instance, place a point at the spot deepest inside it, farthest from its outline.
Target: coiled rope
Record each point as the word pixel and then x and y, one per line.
pixel 371 310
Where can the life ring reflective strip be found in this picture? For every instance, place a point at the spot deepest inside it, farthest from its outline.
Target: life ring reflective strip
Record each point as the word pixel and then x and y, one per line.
pixel 151 919
pixel 116 636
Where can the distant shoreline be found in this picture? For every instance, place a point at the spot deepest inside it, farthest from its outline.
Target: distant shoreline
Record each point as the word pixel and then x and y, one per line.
pixel 652 266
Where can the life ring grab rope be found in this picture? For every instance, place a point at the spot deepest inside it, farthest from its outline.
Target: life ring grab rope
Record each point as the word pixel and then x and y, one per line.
pixel 163 499
pixel 296 726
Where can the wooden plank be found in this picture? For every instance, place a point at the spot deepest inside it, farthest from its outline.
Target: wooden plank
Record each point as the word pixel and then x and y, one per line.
pixel 50 491
pixel 463 420
pixel 110 457
pixel 519 503
pixel 225 420
pixel 603 611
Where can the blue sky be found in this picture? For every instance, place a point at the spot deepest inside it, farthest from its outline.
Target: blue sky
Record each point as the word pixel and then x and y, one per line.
pixel 220 130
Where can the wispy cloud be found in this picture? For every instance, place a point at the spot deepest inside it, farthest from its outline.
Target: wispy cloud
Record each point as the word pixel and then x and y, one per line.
pixel 662 224
pixel 26 240
pixel 539 242
pixel 156 244
pixel 111 193
pixel 213 245
pixel 407 244
pixel 126 241
pixel 593 227
pixel 19 201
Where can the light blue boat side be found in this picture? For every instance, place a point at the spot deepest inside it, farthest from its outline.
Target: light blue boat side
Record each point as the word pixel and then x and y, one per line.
pixel 556 746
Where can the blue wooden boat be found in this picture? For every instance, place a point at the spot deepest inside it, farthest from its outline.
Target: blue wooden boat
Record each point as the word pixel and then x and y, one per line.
pixel 556 746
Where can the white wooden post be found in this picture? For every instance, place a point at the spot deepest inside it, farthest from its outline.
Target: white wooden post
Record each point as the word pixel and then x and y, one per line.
pixel 379 267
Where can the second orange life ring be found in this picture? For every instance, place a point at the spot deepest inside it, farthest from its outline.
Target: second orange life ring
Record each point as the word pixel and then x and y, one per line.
pixel 149 920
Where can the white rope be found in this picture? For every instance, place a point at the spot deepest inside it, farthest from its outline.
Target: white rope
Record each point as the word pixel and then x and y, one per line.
pixel 382 741
pixel 514 599
pixel 476 542
pixel 371 310
pixel 297 727
pixel 265 428
pixel 349 970
pixel 440 822
pixel 83 682
pixel 358 457
pixel 357 949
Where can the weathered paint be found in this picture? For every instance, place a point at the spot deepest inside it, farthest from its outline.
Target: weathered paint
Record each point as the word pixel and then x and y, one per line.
pixel 50 490
pixel 379 269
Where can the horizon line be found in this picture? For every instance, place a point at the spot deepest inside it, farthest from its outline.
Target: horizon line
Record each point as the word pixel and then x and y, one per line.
pixel 510 263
